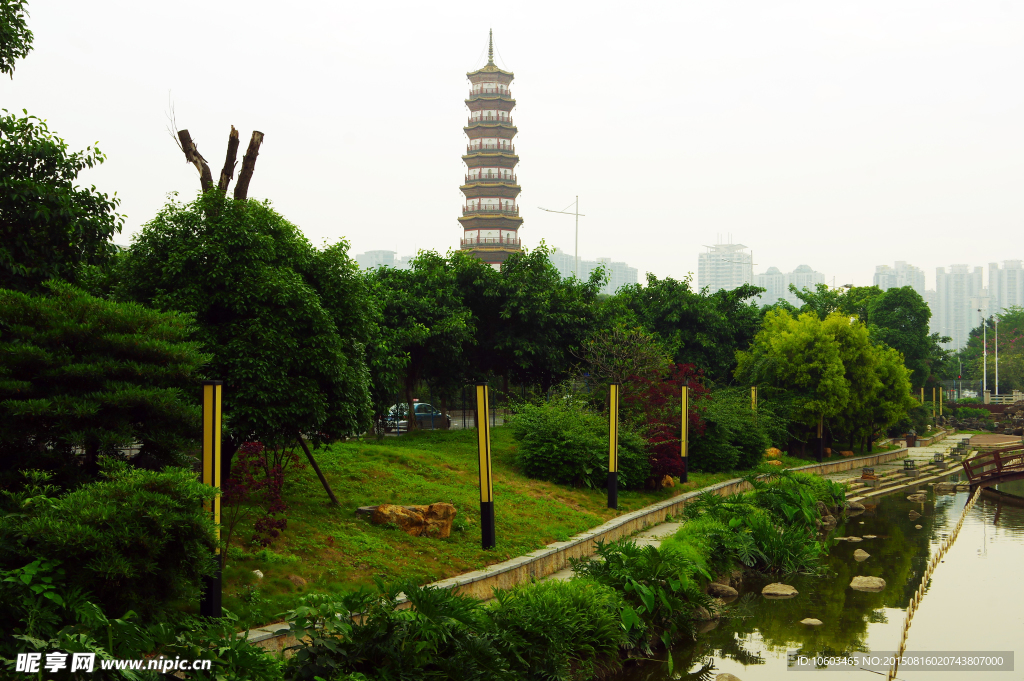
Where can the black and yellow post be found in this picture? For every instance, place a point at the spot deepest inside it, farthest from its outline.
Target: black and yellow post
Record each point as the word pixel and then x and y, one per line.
pixel 684 432
pixel 210 605
pixel 483 440
pixel 613 444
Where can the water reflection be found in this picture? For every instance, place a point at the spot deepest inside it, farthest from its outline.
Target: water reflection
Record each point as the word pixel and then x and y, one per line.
pixel 972 601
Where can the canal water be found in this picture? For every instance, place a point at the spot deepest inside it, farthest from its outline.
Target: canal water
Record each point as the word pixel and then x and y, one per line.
pixel 973 603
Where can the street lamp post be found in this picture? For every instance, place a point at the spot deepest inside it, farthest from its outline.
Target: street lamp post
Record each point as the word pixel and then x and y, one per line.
pixel 578 216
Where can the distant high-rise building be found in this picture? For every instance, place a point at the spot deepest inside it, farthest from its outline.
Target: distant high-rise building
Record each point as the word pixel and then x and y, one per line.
pixel 802 277
pixel 1006 285
pixel 619 273
pixel 375 259
pixel 959 294
pixel 776 284
pixel 898 276
pixel 724 266
pixel 773 281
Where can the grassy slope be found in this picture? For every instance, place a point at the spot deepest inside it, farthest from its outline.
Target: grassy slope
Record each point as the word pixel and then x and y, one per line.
pixel 336 551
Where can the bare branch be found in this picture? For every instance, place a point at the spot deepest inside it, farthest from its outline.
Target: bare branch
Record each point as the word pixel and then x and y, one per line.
pixel 228 171
pixel 193 156
pixel 248 165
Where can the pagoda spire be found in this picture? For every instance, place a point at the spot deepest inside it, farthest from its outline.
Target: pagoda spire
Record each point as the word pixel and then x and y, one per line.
pixel 490 46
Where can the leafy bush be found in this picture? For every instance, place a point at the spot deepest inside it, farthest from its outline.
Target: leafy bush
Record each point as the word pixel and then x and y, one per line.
pixel 139 540
pixel 442 636
pixel 44 614
pixel 735 437
pixel 559 630
pixel 561 441
pixel 972 413
pixel 661 588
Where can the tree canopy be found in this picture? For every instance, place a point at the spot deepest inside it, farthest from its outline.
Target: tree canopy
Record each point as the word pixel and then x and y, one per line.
pixel 703 329
pixel 286 324
pixel 49 226
pixel 15 38
pixel 82 373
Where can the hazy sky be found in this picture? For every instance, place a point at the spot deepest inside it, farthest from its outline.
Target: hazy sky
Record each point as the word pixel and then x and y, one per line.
pixel 837 134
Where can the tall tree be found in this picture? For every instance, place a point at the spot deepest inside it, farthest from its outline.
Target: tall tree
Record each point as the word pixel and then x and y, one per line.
pixel 49 226
pixel 286 323
pixel 899 318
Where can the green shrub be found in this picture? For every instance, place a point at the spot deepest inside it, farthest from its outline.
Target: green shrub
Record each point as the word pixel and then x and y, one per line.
pixel 661 588
pixel 43 613
pixel 561 441
pixel 442 636
pixel 972 413
pixel 559 630
pixel 735 437
pixel 139 540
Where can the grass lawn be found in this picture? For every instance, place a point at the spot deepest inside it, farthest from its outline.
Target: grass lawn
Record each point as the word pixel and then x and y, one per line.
pixel 335 551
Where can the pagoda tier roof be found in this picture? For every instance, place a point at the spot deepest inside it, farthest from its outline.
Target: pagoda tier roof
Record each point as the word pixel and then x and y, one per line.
pixel 491 161
pixel 490 70
pixel 483 221
pixel 489 154
pixel 490 125
pixel 475 133
pixel 490 100
pixel 474 190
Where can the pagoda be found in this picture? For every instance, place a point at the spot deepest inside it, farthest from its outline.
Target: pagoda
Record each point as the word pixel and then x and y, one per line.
pixel 490 219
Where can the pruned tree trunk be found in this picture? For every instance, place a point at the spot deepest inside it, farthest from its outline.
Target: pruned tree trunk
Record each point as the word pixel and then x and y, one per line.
pixel 248 165
pixel 193 156
pixel 228 171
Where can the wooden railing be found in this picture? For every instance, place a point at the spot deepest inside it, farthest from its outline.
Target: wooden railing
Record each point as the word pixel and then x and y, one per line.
pixel 994 465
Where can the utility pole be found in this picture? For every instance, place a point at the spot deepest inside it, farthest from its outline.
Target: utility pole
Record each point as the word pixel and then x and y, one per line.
pixel 578 215
pixel 997 355
pixel 984 355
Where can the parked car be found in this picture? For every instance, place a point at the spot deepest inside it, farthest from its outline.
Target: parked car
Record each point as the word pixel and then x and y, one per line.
pixel 427 416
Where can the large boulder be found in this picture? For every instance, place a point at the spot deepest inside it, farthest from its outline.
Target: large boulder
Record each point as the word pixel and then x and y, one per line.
pixel 854 506
pixel 917 498
pixel 867 583
pixel 945 488
pixel 722 590
pixel 434 520
pixel 779 590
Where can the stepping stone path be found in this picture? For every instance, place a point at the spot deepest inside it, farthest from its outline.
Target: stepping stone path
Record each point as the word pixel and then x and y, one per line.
pixel 779 590
pixel 811 622
pixel 870 536
pixel 867 583
pixel 861 554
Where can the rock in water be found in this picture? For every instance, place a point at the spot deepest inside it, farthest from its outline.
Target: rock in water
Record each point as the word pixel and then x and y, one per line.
pixel 434 520
pixel 811 622
pixel 722 590
pixel 917 527
pixel 854 506
pixel 861 554
pixel 918 498
pixel 914 515
pixel 945 488
pixel 727 677
pixel 867 584
pixel 853 539
pixel 779 590
pixel 869 536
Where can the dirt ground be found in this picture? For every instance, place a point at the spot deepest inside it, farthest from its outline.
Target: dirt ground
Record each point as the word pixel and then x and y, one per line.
pixel 993 439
